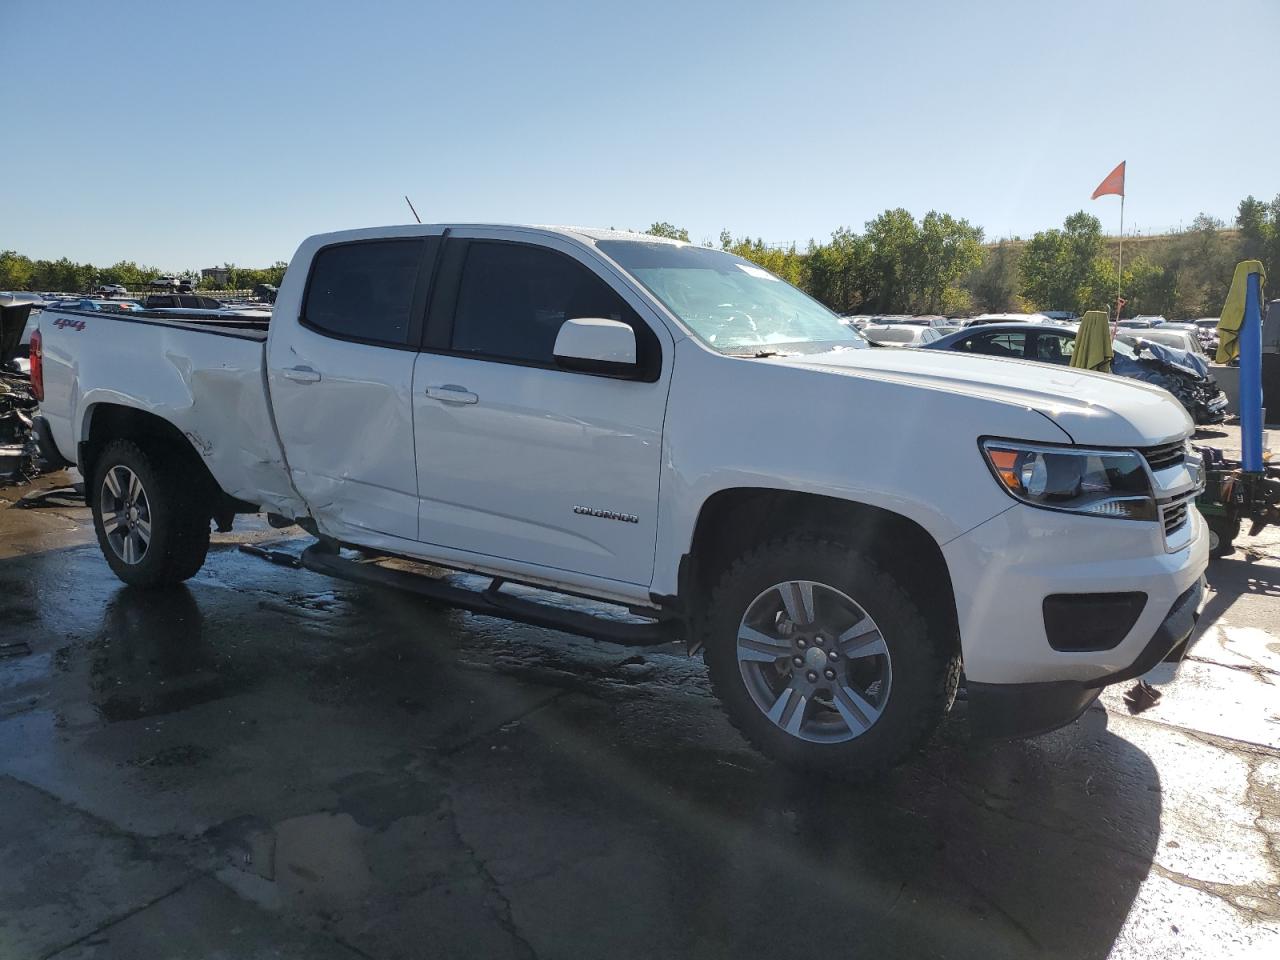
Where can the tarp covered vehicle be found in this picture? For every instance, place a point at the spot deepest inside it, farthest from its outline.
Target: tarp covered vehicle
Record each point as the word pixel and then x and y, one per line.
pixel 1181 372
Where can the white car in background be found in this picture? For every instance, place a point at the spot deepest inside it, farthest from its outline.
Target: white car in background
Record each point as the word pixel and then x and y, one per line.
pixel 1008 318
pixel 900 334
pixel 1178 339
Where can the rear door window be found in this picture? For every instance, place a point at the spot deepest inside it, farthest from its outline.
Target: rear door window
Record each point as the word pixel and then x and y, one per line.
pixel 368 291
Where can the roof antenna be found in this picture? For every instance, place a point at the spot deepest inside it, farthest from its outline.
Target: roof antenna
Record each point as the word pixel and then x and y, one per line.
pixel 414 212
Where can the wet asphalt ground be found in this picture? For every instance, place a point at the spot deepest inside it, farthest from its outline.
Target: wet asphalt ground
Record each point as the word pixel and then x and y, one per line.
pixel 270 763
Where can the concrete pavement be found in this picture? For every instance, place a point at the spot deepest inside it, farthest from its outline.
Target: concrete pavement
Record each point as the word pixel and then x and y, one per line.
pixel 269 763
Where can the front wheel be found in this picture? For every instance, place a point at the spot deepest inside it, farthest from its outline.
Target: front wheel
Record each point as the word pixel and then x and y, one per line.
pixel 151 526
pixel 823 660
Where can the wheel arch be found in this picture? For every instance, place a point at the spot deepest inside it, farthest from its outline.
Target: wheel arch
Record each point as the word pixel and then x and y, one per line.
pixel 734 519
pixel 104 422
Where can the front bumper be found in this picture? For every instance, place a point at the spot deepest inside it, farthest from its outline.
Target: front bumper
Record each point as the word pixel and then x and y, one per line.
pixel 1006 711
pixel 1003 570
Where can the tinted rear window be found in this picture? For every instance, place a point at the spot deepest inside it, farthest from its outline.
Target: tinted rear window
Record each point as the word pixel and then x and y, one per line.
pixel 365 291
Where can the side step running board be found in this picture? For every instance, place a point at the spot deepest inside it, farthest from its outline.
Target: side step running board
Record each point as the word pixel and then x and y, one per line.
pixel 490 602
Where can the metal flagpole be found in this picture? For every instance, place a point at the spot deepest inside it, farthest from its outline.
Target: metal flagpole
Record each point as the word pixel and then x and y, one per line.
pixel 1120 264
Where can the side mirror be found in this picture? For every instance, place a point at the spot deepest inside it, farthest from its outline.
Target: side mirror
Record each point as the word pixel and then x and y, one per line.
pixel 595 345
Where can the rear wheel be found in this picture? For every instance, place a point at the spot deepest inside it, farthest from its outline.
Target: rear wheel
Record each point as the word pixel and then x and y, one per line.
pixel 823 660
pixel 151 525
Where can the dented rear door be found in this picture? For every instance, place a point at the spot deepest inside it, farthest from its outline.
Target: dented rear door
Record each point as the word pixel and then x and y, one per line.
pixel 340 367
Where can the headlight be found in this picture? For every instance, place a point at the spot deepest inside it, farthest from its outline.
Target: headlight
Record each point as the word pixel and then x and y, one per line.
pixel 1101 483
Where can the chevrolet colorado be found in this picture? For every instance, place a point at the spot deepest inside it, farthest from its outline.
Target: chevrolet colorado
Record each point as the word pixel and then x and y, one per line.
pixel 839 528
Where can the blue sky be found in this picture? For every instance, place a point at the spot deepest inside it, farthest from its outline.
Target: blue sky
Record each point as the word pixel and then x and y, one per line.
pixel 185 134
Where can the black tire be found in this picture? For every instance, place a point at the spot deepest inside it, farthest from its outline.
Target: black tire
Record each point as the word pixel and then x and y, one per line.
pixel 176 512
pixel 1223 531
pixel 925 666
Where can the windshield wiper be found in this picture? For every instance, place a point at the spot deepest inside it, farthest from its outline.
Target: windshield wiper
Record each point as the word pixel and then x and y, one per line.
pixel 759 354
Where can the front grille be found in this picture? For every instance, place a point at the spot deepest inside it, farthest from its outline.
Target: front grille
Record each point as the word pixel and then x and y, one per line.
pixel 1164 455
pixel 1175 516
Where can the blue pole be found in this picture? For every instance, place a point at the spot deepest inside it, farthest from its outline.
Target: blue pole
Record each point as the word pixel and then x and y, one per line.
pixel 1251 379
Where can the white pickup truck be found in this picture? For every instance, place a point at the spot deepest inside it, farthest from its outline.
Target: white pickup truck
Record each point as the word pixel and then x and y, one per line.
pixel 840 528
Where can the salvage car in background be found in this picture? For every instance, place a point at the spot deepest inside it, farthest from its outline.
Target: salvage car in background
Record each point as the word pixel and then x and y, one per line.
pixel 18 450
pixel 1179 339
pixel 1183 374
pixel 90 304
pixel 1207 329
pixel 900 334
pixel 984 319
pixel 194 305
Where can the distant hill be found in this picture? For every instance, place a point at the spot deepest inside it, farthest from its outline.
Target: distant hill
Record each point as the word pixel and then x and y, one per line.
pixel 1153 246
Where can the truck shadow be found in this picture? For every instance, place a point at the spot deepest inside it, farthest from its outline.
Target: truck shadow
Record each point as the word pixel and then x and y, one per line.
pixel 1037 848
pixel 461 764
pixel 1233 577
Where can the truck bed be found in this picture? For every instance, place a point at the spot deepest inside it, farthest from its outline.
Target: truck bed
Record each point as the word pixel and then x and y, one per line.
pixel 204 376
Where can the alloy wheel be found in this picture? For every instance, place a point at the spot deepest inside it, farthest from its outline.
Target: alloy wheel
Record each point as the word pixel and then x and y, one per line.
pixel 814 661
pixel 126 514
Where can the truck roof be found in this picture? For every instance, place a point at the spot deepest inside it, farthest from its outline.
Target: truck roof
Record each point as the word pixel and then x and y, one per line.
pixel 589 234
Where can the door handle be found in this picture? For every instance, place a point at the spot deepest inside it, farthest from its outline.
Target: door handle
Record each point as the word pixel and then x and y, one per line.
pixel 452 393
pixel 301 374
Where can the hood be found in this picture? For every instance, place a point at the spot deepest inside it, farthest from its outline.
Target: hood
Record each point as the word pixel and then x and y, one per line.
pixel 1093 408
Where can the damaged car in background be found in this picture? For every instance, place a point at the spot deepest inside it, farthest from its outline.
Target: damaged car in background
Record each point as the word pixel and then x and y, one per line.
pixel 1184 374
pixel 19 453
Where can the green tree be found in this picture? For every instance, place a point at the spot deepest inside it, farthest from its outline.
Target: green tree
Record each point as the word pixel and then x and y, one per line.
pixel 1148 287
pixel 893 236
pixel 668 230
pixel 837 272
pixel 16 271
pixel 1259 225
pixel 786 262
pixel 1196 267
pixel 945 251
pixel 1064 269
pixel 993 285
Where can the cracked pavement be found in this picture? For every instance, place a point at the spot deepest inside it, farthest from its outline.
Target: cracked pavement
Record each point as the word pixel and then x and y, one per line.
pixel 269 763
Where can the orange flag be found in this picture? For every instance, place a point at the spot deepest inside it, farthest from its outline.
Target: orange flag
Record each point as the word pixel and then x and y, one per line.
pixel 1114 183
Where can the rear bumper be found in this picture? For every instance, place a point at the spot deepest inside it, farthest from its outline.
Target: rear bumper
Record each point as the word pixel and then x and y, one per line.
pixel 48 449
pixel 1006 711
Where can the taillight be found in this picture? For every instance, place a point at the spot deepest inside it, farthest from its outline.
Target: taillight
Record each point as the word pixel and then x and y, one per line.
pixel 36 356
